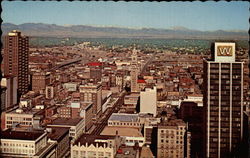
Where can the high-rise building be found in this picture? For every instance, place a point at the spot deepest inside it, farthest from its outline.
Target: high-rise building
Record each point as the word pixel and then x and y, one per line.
pixel 190 113
pixel 16 59
pixel 223 102
pixel 92 93
pixel 134 72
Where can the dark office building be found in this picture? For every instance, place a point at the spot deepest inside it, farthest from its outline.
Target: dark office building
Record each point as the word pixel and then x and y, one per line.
pixel 16 59
pixel 223 102
pixel 191 113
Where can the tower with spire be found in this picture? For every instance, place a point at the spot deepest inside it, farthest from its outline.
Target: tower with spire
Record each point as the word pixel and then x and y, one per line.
pixel 134 71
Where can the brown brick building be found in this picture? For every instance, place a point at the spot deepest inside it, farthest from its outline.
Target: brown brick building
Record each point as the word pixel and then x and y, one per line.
pixel 16 59
pixel 40 80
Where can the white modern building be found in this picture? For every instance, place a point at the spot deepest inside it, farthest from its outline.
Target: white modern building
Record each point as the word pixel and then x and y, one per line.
pixel 148 101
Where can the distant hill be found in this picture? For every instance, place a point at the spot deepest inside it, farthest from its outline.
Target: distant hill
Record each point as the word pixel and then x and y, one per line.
pixel 84 31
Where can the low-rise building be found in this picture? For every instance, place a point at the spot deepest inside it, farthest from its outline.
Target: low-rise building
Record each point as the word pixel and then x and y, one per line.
pixel 128 151
pixel 130 135
pixel 131 99
pixel 124 120
pixel 26 144
pixel 23 117
pixel 76 126
pixel 90 146
pixel 72 87
pixel 61 137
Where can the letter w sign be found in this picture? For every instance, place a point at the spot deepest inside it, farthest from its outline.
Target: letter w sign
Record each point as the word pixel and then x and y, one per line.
pixel 224 50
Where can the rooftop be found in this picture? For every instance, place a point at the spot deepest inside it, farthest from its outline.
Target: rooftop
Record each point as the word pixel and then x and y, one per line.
pixel 123 117
pixel 95 64
pixel 21 135
pixel 172 123
pixel 136 95
pixel 66 121
pixel 91 139
pixel 57 133
pixel 126 152
pixel 122 131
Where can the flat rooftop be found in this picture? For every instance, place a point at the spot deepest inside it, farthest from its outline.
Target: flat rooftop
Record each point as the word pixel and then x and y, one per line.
pixel 123 117
pixel 66 121
pixel 132 95
pixel 57 133
pixel 21 135
pixel 91 139
pixel 126 152
pixel 172 123
pixel 24 111
pixel 122 131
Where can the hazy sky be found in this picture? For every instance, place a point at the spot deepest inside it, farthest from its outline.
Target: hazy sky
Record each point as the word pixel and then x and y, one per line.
pixel 193 15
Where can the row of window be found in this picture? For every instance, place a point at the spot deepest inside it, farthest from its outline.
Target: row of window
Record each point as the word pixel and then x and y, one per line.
pixel 18 118
pixel 124 123
pixel 17 150
pixel 83 154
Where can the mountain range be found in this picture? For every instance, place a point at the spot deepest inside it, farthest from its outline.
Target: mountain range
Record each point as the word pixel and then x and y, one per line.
pixel 85 31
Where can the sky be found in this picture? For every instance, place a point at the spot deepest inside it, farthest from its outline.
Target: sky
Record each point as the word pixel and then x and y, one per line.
pixel 204 16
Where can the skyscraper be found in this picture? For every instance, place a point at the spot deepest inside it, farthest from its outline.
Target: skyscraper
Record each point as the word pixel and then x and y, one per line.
pixel 223 101
pixel 134 72
pixel 16 59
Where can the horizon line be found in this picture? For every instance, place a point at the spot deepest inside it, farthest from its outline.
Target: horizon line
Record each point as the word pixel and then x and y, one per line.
pixel 128 27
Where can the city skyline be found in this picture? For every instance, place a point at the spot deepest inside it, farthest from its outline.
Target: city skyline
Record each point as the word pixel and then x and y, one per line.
pixel 204 16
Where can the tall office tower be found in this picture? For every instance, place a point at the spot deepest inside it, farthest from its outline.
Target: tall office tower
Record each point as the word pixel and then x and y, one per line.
pixel 16 59
pixel 134 72
pixel 223 102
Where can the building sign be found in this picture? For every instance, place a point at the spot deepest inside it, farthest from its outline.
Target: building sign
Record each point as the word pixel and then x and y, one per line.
pixel 224 50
